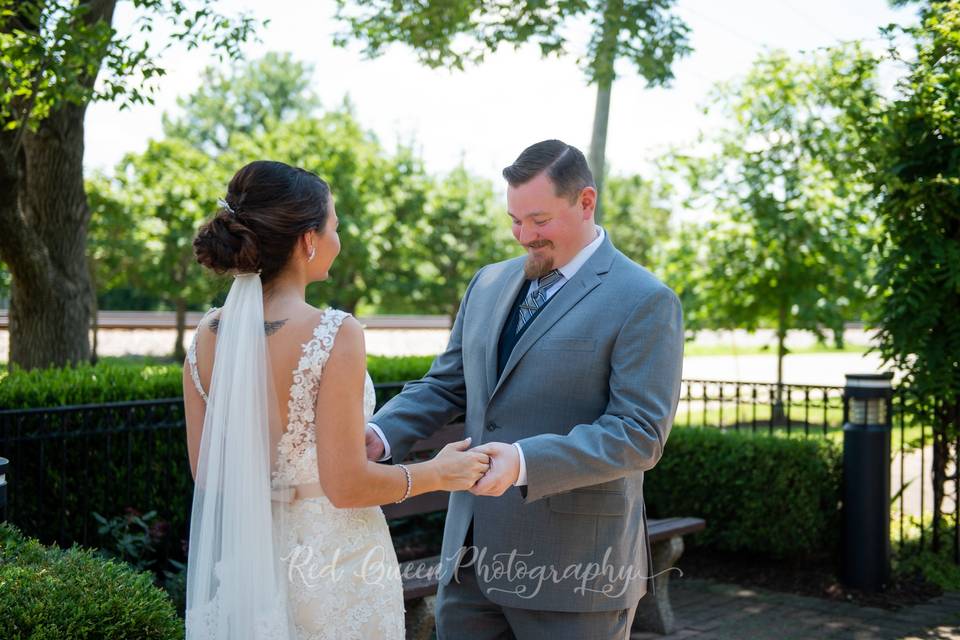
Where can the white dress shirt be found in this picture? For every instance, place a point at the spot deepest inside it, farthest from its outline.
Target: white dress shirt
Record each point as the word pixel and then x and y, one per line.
pixel 567 272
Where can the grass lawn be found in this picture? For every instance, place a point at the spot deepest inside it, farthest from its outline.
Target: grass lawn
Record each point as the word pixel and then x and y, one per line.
pixel 694 349
pixel 715 417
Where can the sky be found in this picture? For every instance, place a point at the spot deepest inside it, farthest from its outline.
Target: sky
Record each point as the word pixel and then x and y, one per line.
pixel 484 116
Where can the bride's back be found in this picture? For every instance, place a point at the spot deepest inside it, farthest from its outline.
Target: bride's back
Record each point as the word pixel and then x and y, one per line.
pixel 287 327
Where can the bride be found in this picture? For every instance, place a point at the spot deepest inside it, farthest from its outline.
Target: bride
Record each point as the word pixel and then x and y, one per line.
pixel 287 540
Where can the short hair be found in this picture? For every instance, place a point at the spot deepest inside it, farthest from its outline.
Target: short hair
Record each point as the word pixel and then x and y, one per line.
pixel 564 164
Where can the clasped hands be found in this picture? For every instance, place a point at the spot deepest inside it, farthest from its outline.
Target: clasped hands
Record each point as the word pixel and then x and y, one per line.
pixel 503 472
pixel 501 475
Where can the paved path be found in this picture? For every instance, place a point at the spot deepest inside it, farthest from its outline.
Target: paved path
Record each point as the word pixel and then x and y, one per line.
pixel 708 610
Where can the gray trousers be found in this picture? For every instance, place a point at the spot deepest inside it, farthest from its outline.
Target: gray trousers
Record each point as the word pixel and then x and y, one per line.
pixel 464 613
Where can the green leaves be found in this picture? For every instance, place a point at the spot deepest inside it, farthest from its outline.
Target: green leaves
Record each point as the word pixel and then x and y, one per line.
pixel 915 160
pixel 759 494
pixel 144 218
pixel 51 593
pixel 243 99
pixel 789 241
pixel 59 53
pixel 410 241
pixel 637 215
pixel 461 32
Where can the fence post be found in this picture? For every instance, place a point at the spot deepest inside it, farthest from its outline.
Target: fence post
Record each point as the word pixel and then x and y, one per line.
pixel 865 550
pixel 4 464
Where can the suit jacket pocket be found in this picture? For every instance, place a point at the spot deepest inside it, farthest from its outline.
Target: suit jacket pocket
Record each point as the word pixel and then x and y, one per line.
pixel 588 502
pixel 568 344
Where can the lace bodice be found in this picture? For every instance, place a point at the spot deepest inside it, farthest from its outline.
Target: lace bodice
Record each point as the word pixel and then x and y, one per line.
pixel 297 450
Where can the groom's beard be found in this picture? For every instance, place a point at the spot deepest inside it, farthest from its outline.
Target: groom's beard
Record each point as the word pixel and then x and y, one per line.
pixel 538 266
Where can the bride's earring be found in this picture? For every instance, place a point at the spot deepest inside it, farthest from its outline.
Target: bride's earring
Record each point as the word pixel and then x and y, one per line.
pixel 313 254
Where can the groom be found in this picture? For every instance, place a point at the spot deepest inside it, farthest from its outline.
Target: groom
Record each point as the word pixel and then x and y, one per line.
pixel 566 363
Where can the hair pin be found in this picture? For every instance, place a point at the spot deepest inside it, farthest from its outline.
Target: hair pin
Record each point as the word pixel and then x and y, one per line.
pixel 223 204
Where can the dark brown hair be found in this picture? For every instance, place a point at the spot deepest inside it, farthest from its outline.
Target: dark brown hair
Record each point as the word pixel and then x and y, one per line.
pixel 565 166
pixel 271 204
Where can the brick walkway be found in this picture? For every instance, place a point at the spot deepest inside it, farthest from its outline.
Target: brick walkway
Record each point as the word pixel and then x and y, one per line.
pixel 709 610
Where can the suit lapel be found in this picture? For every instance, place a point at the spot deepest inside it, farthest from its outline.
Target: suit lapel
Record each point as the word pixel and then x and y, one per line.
pixel 583 282
pixel 513 281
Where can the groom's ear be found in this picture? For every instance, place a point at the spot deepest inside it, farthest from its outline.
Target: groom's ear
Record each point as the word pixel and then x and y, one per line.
pixel 588 201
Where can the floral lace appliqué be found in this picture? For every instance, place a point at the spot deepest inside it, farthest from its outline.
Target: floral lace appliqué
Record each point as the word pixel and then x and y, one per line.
pixel 192 356
pixel 297 449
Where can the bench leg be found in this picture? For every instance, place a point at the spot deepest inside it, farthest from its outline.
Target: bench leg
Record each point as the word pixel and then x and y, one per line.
pixel 654 613
pixel 419 618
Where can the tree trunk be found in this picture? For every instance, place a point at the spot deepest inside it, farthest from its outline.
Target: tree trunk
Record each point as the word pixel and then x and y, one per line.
pixel 603 75
pixel 945 416
pixel 94 314
pixel 779 414
pixel 43 223
pixel 178 351
pixel 51 288
pixel 598 143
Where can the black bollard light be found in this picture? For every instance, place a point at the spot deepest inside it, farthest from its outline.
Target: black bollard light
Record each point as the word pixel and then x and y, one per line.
pixel 865 552
pixel 4 463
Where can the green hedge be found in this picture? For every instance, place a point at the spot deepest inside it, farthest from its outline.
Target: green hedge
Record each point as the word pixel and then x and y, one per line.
pixel 775 496
pixel 49 594
pixel 107 381
pixel 117 380
pixel 769 495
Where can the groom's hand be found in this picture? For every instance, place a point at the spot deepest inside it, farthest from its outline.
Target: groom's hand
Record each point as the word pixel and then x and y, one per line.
pixel 503 472
pixel 375 446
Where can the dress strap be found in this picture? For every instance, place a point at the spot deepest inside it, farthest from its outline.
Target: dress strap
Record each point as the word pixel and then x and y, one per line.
pixel 316 351
pixel 192 356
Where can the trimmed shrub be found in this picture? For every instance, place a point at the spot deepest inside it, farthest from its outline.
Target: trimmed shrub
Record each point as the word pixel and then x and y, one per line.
pixel 51 594
pixel 774 496
pixel 120 381
pixel 107 381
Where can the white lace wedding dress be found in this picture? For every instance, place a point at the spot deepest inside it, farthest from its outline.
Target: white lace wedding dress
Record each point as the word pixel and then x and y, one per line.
pixel 344 577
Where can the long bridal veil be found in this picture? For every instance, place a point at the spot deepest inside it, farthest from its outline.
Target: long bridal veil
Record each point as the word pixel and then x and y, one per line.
pixel 236 584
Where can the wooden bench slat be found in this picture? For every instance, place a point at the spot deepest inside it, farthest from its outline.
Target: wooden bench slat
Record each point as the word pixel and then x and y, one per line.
pixel 420 577
pixel 661 529
pixel 423 503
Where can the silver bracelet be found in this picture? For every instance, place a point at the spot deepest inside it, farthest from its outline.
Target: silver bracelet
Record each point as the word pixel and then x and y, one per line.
pixel 406 472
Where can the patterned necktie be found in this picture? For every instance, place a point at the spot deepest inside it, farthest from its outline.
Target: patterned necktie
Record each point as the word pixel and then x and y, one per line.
pixel 535 299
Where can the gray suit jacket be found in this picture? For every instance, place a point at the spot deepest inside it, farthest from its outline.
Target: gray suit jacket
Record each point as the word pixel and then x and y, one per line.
pixel 589 393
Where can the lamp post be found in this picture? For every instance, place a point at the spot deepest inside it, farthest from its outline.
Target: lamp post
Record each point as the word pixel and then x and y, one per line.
pixel 867 405
pixel 4 463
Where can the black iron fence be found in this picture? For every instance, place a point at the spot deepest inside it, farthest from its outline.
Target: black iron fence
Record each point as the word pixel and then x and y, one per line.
pixel 925 480
pixel 68 462
pixel 761 406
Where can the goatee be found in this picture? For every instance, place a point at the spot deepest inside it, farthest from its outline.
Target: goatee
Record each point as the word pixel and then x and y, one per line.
pixel 536 267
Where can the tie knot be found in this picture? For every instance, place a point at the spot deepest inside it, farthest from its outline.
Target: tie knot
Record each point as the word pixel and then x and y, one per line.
pixel 548 280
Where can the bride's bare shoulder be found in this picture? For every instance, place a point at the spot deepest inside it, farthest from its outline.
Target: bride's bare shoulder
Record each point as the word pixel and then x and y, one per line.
pixel 300 324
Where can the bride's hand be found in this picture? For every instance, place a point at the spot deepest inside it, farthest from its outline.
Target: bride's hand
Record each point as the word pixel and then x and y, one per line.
pixel 459 469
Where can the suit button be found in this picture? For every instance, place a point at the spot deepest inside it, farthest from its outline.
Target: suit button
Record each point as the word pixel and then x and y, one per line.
pixel 492 426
